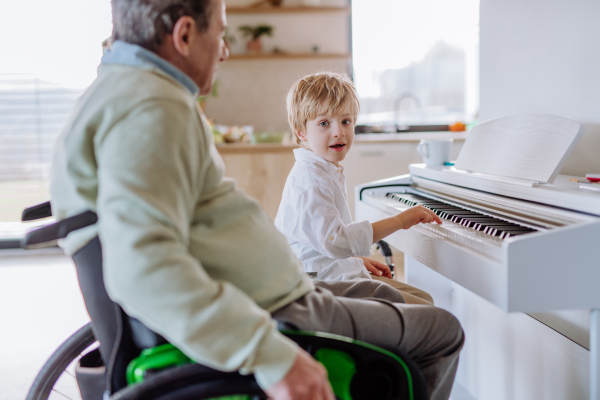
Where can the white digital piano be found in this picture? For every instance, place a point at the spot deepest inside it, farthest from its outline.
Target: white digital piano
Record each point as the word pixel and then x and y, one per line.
pixel 516 238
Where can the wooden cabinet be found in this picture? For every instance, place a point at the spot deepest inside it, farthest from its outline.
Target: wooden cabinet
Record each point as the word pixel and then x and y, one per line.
pixel 260 170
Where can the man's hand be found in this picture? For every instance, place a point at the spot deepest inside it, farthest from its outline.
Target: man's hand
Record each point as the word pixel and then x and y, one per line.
pixel 416 215
pixel 306 380
pixel 377 268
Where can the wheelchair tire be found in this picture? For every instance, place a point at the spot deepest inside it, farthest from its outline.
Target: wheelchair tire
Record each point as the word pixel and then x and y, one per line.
pixel 191 382
pixel 69 351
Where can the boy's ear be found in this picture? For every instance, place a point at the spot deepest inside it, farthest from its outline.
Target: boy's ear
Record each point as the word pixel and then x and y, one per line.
pixel 301 135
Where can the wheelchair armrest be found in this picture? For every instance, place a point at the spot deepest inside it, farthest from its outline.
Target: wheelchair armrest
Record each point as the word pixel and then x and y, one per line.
pixel 60 229
pixel 43 210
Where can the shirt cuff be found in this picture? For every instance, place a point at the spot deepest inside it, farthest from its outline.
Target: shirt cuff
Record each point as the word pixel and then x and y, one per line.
pixel 360 237
pixel 274 360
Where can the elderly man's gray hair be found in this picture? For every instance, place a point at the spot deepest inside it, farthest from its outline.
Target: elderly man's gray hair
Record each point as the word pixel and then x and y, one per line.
pixel 147 22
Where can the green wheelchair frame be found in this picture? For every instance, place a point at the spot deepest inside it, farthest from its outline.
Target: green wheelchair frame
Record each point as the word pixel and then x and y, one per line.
pixel 343 364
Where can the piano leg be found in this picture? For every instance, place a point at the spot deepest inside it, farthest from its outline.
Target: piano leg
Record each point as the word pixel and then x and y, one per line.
pixel 595 354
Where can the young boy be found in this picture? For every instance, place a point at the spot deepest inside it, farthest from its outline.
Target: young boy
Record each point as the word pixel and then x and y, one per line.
pixel 314 214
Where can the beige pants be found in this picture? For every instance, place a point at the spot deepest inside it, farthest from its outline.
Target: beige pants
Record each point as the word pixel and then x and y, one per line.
pixel 411 294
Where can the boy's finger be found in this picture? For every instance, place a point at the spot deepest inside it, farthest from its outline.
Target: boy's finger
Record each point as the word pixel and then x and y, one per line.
pixel 436 218
pixel 373 270
pixel 382 267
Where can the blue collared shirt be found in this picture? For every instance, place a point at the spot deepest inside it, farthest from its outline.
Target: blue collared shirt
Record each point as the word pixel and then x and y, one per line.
pixel 131 54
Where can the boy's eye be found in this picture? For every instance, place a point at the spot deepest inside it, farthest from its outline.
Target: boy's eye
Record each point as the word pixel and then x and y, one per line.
pixel 323 123
pixel 346 122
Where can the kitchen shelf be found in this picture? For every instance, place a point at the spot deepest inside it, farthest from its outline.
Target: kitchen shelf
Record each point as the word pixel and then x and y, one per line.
pixel 286 56
pixel 285 10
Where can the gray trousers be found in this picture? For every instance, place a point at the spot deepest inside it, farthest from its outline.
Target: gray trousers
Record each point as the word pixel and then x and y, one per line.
pixel 431 336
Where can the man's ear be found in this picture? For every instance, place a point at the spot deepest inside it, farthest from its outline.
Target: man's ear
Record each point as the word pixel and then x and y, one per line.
pixel 184 29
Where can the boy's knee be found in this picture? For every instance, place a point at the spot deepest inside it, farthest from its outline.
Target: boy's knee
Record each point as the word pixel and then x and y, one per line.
pixel 383 291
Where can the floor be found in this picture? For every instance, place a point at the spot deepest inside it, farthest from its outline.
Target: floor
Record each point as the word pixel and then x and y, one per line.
pixel 39 296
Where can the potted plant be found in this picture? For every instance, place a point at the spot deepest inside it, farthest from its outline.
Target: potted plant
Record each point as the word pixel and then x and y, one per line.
pixel 254 44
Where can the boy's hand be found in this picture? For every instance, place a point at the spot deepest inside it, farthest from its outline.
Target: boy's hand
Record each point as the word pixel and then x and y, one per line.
pixel 307 380
pixel 377 268
pixel 416 215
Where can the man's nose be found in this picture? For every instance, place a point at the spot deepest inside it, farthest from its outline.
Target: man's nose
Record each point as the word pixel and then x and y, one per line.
pixel 224 54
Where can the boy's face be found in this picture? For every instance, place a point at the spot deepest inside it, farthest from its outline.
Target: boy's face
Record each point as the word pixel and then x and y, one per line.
pixel 329 137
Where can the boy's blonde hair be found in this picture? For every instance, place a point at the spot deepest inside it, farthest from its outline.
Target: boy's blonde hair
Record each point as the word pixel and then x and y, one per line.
pixel 323 93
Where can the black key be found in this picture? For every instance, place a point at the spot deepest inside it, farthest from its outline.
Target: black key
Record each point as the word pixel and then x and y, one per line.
pixel 497 230
pixel 469 221
pixel 458 217
pixel 487 228
pixel 443 208
pixel 447 214
pixel 507 234
pixel 479 226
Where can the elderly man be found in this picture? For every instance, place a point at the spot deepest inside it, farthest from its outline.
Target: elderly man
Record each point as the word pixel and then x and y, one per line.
pixel 185 251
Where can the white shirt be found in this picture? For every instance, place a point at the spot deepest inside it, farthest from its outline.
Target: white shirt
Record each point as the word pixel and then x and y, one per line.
pixel 315 218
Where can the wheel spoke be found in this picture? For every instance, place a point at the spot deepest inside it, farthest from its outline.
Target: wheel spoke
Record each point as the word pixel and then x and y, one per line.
pixel 62 394
pixel 70 373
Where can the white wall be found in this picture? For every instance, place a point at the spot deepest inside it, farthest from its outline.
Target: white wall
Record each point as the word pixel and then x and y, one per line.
pixel 544 56
pixel 252 92
pixel 539 56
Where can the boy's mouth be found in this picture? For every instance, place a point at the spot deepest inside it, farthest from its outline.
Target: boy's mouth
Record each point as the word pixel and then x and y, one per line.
pixel 337 146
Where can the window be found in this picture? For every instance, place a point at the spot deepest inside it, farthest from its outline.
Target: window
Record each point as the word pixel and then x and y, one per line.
pixel 415 62
pixel 46 65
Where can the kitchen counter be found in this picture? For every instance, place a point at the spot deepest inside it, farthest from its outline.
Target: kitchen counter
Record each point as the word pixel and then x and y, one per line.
pixel 232 148
pixel 261 169
pixel 408 137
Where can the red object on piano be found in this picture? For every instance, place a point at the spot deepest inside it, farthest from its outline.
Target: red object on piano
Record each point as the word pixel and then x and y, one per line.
pixel 593 177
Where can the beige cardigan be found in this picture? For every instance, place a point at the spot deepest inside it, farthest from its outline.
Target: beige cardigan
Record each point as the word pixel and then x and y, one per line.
pixel 184 250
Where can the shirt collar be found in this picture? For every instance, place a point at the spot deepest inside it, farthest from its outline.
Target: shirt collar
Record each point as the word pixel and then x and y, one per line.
pixel 303 154
pixel 131 54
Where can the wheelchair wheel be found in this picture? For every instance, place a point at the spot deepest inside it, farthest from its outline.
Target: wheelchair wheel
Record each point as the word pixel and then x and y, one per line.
pixel 193 382
pixel 56 379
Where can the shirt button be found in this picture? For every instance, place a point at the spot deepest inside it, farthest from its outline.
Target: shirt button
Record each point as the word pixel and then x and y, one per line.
pixel 330 238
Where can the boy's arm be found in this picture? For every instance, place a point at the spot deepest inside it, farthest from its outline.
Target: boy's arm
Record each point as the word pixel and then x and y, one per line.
pixel 322 226
pixel 404 220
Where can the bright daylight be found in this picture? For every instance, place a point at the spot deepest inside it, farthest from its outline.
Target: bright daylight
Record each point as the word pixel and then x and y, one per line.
pixel 299 200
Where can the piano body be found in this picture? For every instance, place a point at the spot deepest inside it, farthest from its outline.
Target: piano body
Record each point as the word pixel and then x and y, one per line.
pixel 515 234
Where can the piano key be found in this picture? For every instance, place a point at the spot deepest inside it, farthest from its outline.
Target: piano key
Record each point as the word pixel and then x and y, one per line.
pixel 497 230
pixel 487 225
pixel 459 217
pixel 507 234
pixel 470 221
pixel 447 214
pixel 481 225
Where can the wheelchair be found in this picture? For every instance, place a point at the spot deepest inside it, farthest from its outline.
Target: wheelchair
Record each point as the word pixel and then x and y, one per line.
pixel 133 362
